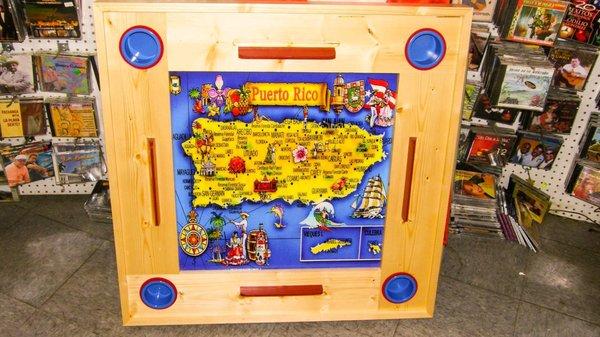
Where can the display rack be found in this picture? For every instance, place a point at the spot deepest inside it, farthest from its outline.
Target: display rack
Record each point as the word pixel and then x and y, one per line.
pixel 85 45
pixel 553 181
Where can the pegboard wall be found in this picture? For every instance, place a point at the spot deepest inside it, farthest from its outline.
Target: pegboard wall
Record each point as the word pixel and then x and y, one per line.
pixel 553 181
pixel 84 46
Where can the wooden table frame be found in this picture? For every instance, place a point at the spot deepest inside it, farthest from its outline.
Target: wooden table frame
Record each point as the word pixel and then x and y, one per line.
pixel 202 36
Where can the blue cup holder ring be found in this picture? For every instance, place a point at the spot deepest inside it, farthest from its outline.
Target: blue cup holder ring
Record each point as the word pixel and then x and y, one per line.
pixel 158 293
pixel 425 49
pixel 141 47
pixel 399 288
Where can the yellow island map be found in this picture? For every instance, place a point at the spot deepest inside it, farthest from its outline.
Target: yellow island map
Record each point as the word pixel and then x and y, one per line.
pixel 293 160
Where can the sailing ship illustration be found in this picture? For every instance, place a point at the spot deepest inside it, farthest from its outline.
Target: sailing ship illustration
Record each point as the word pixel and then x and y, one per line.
pixel 373 200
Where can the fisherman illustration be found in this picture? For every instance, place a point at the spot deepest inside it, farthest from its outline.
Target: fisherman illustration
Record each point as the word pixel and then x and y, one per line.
pixel 243 226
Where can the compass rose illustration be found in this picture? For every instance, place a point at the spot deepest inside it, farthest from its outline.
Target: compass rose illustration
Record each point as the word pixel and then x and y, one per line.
pixel 193 238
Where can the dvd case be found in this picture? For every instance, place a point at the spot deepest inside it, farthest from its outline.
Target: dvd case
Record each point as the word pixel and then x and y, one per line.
pixel 74 118
pixel 33 117
pixel 558 115
pixel 578 23
pixel 11 25
pixel 25 118
pixel 16 74
pixel 535 21
pixel 7 193
pixel 77 162
pixel 27 163
pixel 490 147
pixel 63 73
pixel 587 185
pixel 52 19
pixel 536 150
pixel 573 63
pixel 482 9
pixel 524 87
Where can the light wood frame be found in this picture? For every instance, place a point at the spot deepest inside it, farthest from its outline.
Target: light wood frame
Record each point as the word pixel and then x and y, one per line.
pixel 202 36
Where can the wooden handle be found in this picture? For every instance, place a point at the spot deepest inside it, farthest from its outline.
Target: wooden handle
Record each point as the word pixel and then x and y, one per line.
pixel 153 183
pixel 410 162
pixel 287 53
pixel 298 290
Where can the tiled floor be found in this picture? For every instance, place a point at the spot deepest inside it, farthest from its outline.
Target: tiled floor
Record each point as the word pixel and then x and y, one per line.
pixel 58 278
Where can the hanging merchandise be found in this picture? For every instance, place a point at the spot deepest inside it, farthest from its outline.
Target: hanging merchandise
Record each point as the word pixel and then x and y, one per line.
pixel 67 74
pixel 52 19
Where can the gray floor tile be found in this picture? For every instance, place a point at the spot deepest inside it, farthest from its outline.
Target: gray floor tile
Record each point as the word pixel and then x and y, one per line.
pixel 10 213
pixel 32 201
pixel 13 313
pixel 68 210
pixel 11 330
pixel 489 263
pixel 534 321
pixel 238 330
pixel 571 232
pixel 464 310
pixel 38 255
pixel 90 297
pixel 565 278
pixel 44 325
pixel 336 329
